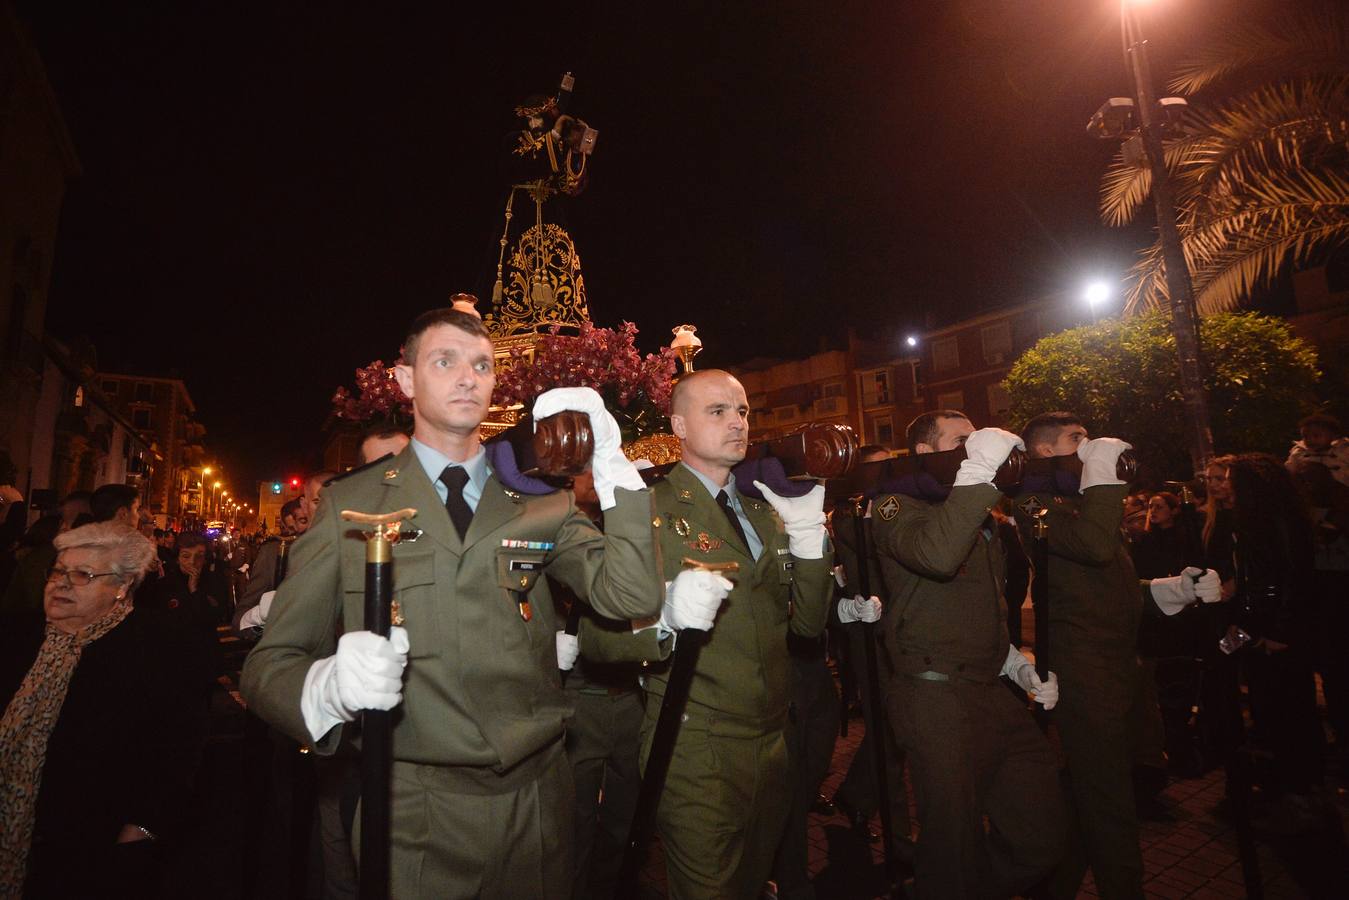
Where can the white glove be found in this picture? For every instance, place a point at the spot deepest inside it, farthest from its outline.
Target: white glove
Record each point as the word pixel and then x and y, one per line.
pixel 366 672
pixel 257 616
pixel 986 450
pixel 608 464
pixel 1022 673
pixel 1179 591
pixel 1099 457
pixel 803 517
pixel 692 600
pixel 568 648
pixel 859 609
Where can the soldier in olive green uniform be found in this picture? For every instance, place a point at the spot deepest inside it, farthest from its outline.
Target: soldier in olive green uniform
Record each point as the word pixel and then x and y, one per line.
pixel 726 796
pixel 973 751
pixel 482 793
pixel 1095 604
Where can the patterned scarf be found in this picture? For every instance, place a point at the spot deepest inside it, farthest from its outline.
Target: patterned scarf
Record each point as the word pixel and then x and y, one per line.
pixel 24 732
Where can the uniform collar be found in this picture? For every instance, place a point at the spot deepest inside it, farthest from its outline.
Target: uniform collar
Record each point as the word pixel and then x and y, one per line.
pixel 434 463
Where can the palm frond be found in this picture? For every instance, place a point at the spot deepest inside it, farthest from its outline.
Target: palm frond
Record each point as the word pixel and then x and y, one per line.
pixel 1315 41
pixel 1286 220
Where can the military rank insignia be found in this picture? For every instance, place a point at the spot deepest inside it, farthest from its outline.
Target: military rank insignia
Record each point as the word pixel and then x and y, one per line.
pixel 888 509
pixel 1032 506
pixel 680 525
pixel 705 543
pixel 390 473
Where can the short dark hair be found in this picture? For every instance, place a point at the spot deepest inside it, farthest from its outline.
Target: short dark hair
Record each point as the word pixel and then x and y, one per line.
pixel 1323 420
pixel 382 430
pixel 189 539
pixel 925 428
pixel 445 315
pixel 1045 427
pixel 108 499
pixel 290 507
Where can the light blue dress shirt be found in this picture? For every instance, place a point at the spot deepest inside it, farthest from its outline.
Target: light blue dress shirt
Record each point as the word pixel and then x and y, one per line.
pixel 434 462
pixel 755 544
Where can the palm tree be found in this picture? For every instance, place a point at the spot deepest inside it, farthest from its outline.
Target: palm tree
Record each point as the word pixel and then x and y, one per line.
pixel 1260 165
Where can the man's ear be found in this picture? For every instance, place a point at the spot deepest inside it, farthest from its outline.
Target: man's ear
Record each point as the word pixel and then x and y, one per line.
pixel 921 447
pixel 678 426
pixel 1042 450
pixel 403 374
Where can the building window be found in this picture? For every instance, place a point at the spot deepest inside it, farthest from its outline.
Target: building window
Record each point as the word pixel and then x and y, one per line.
pixel 883 431
pixel 945 355
pixel 951 400
pixel 110 388
pixel 832 389
pixel 79 396
pixel 999 401
pixel 145 392
pixel 876 388
pixel 997 341
pixel 141 418
pixel 784 414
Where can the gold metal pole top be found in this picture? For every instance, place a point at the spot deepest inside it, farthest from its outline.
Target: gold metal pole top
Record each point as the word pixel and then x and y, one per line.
pixel 384 533
pixel 692 563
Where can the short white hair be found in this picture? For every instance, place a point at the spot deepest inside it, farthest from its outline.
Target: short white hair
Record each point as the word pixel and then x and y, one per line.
pixel 131 552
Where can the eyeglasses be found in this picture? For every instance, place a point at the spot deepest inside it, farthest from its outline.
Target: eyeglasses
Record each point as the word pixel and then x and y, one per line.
pixel 75 577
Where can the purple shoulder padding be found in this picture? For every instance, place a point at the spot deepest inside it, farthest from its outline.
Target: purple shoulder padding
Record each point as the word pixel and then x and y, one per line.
pixel 769 471
pixel 501 457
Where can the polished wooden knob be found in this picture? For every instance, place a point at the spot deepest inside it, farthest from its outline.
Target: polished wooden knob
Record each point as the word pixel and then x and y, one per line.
pixel 813 451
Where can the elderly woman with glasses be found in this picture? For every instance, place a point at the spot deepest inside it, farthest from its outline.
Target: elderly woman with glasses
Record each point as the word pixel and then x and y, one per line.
pixel 104 714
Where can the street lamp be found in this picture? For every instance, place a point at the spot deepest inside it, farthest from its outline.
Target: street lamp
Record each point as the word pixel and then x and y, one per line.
pixel 1113 120
pixel 911 341
pixel 215 506
pixel 1096 294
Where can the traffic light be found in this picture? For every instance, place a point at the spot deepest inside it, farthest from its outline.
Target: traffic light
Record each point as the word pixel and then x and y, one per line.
pixel 276 487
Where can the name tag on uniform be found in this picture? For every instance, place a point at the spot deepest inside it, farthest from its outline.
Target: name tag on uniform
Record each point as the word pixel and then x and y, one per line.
pixel 525 565
pixel 783 551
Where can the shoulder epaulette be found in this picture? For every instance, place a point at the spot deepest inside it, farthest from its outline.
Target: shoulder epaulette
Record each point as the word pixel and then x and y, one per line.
pixel 350 472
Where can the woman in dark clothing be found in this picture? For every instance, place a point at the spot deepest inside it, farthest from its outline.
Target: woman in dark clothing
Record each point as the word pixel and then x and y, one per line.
pixel 103 726
pixel 1258 536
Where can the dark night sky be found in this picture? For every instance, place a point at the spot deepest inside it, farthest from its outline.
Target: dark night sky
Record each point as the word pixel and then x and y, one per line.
pixel 272 190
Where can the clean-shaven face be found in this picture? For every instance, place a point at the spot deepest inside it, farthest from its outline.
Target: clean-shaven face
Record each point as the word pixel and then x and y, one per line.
pixel 451 381
pixel 712 421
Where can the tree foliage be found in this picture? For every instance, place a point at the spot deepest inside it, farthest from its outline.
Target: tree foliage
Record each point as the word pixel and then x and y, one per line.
pixel 1260 164
pixel 1123 378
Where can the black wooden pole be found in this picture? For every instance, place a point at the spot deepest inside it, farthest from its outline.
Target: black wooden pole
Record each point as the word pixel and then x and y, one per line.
pixel 376 733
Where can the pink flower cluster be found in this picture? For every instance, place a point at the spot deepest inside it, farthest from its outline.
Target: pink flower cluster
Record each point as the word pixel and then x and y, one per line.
pixel 377 397
pixel 602 358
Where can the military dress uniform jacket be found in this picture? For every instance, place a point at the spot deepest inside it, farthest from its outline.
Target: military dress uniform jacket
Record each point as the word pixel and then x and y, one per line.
pixel 1095 598
pixel 944 576
pixel 744 669
pixel 481 687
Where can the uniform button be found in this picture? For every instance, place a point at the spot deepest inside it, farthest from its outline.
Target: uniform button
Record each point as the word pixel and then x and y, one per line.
pixel 655 523
pixel 683 717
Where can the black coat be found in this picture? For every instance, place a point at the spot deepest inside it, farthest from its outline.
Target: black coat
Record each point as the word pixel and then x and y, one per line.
pixel 127 743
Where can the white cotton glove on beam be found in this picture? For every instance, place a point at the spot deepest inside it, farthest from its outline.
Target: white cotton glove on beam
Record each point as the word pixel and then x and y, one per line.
pixel 1099 457
pixel 803 517
pixel 1179 591
pixel 986 450
pixel 1022 673
pixel 366 672
pixel 568 649
pixel 609 466
pixel 859 609
pixel 692 600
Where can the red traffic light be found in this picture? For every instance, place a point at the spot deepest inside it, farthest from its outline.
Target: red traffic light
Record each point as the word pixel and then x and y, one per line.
pixel 295 482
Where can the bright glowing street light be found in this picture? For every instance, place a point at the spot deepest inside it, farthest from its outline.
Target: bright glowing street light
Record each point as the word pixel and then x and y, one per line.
pixel 1096 293
pixel 911 341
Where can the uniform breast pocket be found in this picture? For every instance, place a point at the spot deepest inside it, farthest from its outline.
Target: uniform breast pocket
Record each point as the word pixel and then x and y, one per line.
pixel 414 595
pixel 518 573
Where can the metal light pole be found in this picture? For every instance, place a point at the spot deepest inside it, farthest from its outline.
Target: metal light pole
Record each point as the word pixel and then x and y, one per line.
pixel 1184 316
